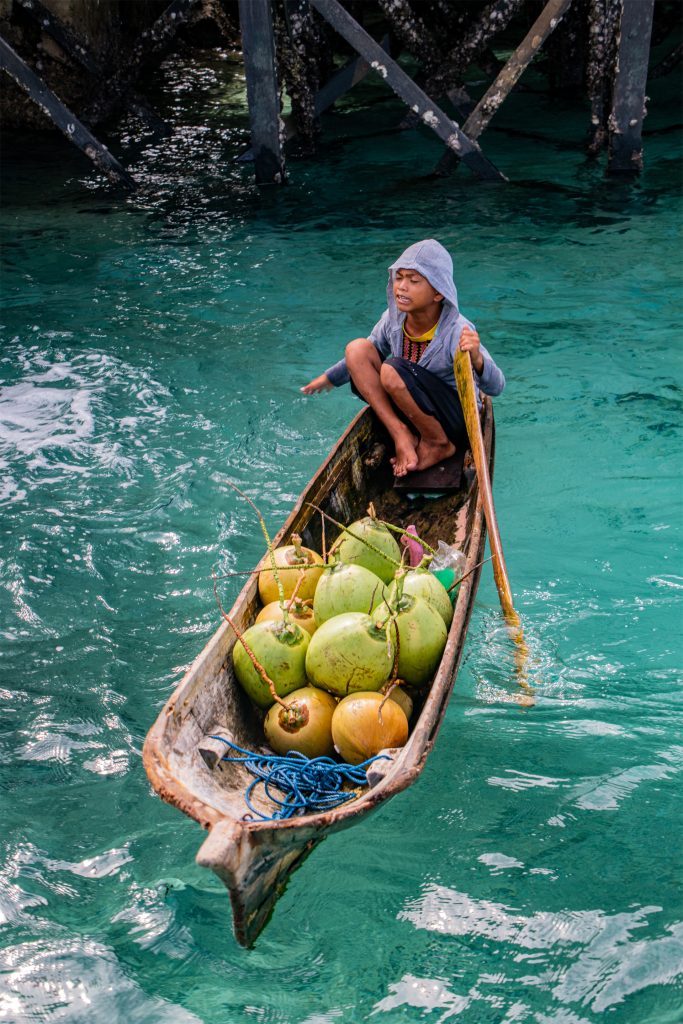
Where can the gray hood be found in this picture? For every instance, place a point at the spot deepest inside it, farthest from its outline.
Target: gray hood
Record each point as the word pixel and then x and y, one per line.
pixel 434 262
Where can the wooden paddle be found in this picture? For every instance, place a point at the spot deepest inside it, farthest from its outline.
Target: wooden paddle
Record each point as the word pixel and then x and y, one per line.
pixel 464 378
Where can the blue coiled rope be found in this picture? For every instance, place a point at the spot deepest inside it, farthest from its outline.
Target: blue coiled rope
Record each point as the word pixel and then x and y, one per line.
pixel 306 784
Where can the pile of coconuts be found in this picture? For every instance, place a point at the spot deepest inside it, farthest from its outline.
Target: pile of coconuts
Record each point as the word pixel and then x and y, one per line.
pixel 341 648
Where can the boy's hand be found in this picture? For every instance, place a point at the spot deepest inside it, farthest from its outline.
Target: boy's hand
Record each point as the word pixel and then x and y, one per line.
pixel 321 383
pixel 469 342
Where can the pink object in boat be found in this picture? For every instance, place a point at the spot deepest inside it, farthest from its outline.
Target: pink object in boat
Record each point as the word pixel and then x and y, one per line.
pixel 415 549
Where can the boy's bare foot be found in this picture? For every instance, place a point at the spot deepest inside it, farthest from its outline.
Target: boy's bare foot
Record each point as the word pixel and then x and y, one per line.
pixel 431 452
pixel 405 460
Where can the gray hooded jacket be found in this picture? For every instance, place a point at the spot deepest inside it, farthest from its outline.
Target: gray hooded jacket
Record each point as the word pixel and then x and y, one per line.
pixel 431 260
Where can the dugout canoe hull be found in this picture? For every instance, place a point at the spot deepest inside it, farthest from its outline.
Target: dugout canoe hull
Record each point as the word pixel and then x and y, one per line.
pixel 254 859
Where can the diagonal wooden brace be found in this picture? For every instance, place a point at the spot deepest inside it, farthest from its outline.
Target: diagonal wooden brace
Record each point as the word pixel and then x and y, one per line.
pixel 404 87
pixel 61 116
pixel 477 121
pixel 546 23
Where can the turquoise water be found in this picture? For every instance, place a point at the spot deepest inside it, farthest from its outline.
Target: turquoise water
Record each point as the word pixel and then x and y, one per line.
pixel 152 350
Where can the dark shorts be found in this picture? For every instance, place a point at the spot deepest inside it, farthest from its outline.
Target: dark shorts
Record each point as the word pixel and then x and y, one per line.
pixel 433 396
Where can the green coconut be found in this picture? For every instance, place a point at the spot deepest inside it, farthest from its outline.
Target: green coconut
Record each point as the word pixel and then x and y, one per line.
pixel 422 637
pixel 348 653
pixel 346 588
pixel 366 542
pixel 281 650
pixel 422 583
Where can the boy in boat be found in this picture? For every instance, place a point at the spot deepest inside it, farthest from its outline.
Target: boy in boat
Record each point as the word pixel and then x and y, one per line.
pixel 404 369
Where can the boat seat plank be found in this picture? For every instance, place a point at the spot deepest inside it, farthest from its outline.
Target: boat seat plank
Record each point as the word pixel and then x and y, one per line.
pixel 212 750
pixel 445 476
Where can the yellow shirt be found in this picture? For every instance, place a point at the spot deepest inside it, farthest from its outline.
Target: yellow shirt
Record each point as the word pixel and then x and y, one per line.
pixel 413 348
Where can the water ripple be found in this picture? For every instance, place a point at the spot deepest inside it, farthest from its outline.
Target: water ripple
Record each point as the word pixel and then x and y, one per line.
pixel 588 956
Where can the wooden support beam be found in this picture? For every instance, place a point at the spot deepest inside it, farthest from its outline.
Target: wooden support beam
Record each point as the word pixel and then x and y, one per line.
pixel 628 104
pixel 343 80
pixel 353 72
pixel 407 90
pixel 459 98
pixel 62 117
pixel 477 121
pixel 79 52
pixel 258 47
pixel 546 23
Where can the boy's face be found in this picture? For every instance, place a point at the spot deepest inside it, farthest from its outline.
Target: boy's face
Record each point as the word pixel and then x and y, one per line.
pixel 413 292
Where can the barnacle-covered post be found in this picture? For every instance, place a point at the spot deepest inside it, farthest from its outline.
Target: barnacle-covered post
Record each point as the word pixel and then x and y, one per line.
pixel 258 47
pixel 566 52
pixel 628 110
pixel 411 31
pixel 603 19
pixel 301 50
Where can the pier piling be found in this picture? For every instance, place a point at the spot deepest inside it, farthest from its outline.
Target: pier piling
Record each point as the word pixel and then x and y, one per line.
pixel 628 109
pixel 263 95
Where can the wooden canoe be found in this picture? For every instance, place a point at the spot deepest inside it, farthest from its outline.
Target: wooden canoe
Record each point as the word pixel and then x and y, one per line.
pixel 254 858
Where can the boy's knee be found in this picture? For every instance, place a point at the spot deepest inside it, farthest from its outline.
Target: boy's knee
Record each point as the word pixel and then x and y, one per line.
pixel 391 380
pixel 358 347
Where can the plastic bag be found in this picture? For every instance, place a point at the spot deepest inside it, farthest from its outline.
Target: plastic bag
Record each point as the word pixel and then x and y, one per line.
pixel 448 565
pixel 448 557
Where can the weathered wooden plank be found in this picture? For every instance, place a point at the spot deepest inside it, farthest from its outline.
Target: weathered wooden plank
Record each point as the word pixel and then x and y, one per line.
pixel 444 477
pixel 628 107
pixel 545 24
pixel 62 117
pixel 404 87
pixel 258 47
